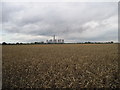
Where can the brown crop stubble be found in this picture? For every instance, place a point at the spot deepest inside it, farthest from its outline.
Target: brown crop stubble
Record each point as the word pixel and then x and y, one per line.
pixel 60 66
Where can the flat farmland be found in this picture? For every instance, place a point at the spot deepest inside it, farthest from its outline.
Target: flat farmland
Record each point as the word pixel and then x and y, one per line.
pixel 60 66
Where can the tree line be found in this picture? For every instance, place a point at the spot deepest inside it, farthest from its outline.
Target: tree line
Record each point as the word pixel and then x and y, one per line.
pixel 20 43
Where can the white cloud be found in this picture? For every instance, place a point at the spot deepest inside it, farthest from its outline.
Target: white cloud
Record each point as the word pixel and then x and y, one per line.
pixel 91 24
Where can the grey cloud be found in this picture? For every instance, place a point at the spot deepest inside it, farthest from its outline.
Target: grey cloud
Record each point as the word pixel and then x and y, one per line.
pixel 67 20
pixel 8 9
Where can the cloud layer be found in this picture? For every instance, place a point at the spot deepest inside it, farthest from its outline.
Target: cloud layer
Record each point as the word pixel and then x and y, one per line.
pixel 75 22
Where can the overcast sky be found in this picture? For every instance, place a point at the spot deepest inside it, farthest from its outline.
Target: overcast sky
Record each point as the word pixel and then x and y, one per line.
pixel 74 22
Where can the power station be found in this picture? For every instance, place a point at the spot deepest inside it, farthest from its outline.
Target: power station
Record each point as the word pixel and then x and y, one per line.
pixel 54 40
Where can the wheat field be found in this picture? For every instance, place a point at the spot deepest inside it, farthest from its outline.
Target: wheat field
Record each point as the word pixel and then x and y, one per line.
pixel 60 66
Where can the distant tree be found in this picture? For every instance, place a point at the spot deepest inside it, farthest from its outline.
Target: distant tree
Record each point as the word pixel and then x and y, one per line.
pixel 21 43
pixel 17 43
pixel 42 42
pixel 4 43
pixel 36 42
pixel 31 43
pixel 87 42
pixel 111 41
pixel 39 42
pixel 9 43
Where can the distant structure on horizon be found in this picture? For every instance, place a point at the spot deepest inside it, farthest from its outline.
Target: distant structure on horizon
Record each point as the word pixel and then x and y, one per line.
pixel 54 40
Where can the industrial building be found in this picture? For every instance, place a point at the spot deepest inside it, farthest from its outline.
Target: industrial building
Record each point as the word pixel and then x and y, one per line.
pixel 54 40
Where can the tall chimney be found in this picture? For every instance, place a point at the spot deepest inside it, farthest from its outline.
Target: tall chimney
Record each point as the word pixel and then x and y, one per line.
pixel 54 38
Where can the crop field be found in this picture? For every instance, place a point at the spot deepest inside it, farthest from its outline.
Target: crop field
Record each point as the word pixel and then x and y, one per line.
pixel 60 66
